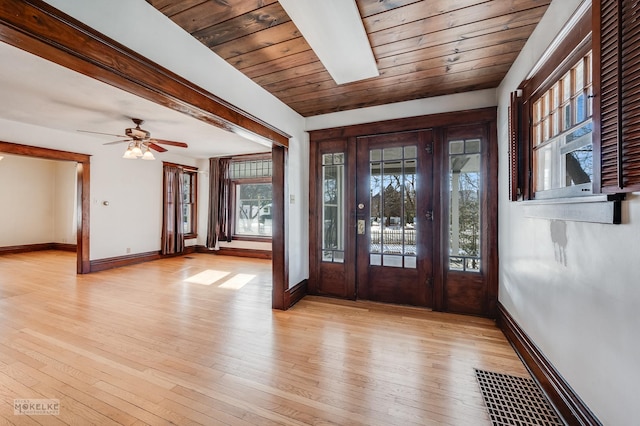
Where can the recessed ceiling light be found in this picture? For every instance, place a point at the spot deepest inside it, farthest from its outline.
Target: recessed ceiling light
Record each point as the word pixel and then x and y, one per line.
pixel 334 30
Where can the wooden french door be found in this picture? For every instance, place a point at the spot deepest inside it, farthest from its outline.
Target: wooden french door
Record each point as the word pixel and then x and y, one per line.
pixel 407 215
pixel 394 218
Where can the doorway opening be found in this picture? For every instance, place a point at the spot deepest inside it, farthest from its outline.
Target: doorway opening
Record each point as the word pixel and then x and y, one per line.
pixel 81 195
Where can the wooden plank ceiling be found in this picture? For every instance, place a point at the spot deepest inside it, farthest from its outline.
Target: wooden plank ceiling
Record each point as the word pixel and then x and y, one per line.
pixel 422 48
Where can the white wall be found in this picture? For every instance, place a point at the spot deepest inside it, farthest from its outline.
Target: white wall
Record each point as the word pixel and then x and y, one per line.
pixel 65 224
pixel 573 286
pixel 37 201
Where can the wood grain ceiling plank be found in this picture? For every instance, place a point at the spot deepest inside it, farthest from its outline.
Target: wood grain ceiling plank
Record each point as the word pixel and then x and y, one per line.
pixel 410 91
pixel 520 29
pixel 418 11
pixel 388 84
pixel 281 64
pixel 211 13
pixel 302 71
pixel 372 7
pixel 454 52
pixel 242 25
pixel 289 47
pixel 441 55
pixel 458 24
pixel 478 58
pixel 397 94
pixel 172 7
pixel 396 77
pixel 258 40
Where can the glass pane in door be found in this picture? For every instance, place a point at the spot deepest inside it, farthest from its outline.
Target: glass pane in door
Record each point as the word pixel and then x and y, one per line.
pixel 464 205
pixel 392 189
pixel 333 208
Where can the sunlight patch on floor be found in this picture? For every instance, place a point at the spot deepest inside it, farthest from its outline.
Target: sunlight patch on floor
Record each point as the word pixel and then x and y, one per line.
pixel 237 281
pixel 207 277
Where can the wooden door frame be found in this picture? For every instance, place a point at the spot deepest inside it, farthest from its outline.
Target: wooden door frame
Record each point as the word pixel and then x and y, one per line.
pixel 83 177
pixel 485 117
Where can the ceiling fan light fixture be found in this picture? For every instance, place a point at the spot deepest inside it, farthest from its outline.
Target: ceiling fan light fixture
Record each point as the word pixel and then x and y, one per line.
pixel 136 151
pixel 148 155
pixel 128 154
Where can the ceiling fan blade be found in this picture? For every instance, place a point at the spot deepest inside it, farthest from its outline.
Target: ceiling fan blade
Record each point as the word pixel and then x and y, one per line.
pixel 156 147
pixel 172 143
pixel 100 133
pixel 115 142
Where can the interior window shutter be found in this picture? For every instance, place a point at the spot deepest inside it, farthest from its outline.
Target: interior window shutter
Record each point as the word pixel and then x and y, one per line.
pixel 618 86
pixel 515 146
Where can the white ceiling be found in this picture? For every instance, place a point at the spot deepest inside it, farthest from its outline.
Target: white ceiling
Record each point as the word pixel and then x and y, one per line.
pixel 38 92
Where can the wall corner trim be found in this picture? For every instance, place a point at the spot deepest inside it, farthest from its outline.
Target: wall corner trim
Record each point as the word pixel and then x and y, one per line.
pixel 567 402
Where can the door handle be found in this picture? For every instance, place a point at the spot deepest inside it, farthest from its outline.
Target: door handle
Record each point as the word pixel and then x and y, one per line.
pixel 361 227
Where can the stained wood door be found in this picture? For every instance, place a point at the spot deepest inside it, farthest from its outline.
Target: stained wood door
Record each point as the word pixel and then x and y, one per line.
pixel 439 248
pixel 394 218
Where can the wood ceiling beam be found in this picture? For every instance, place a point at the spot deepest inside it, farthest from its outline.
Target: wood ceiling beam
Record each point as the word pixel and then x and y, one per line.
pixel 38 28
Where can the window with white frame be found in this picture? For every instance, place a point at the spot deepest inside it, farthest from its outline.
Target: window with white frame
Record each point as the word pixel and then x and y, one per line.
pixel 562 132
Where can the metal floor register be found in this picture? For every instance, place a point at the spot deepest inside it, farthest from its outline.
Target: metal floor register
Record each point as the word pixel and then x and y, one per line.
pixel 513 400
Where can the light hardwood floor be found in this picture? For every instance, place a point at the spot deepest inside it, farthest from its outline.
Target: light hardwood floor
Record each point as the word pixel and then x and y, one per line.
pixel 193 340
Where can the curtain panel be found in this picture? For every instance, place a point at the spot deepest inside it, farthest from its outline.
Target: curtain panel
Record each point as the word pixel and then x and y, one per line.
pixel 172 223
pixel 220 204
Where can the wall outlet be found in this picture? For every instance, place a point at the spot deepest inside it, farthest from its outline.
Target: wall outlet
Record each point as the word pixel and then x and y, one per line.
pixel 128 249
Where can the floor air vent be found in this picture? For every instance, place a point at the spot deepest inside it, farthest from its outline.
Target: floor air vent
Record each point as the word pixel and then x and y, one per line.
pixel 513 400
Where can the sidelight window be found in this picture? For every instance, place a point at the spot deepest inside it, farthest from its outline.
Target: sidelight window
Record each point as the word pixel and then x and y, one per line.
pixel 333 207
pixel 464 205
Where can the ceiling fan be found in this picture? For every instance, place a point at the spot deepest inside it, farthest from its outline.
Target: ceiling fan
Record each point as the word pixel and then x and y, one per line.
pixel 140 142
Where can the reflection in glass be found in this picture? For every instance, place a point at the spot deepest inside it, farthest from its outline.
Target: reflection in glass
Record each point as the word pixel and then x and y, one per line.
pixel 333 208
pixel 566 161
pixel 392 153
pixel 464 208
pixel 393 206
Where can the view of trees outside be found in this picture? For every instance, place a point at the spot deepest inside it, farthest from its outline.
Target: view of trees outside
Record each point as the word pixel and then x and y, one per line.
pixel 253 209
pixel 393 207
pixel 464 212
pixel 333 207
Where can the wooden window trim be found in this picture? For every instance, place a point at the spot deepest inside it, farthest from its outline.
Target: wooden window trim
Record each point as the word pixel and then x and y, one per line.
pixel 576 44
pixel 194 205
pixel 194 211
pixel 593 208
